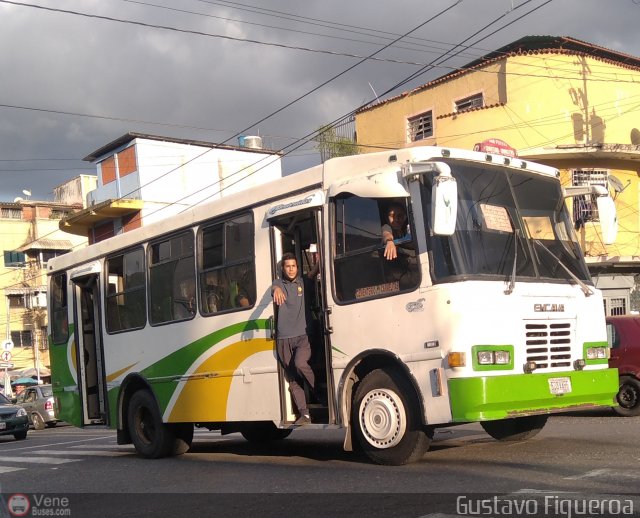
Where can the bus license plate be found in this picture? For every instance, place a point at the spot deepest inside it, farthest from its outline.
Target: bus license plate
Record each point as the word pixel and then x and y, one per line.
pixel 559 386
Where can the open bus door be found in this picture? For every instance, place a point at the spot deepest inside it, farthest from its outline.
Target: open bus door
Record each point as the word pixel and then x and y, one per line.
pixel 90 364
pixel 300 232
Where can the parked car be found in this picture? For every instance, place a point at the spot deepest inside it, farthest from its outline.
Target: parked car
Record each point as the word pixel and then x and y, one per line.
pixel 13 419
pixel 38 402
pixel 624 338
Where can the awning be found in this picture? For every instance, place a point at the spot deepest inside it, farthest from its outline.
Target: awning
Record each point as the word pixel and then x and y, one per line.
pixel 47 244
pixel 79 222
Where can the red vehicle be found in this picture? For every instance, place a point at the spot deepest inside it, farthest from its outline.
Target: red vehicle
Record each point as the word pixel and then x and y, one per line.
pixel 624 338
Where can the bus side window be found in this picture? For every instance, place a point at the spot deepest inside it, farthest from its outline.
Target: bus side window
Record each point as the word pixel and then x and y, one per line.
pixel 226 268
pixel 361 269
pixel 125 296
pixel 172 286
pixel 59 322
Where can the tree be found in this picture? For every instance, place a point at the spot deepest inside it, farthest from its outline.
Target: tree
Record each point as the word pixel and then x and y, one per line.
pixel 331 145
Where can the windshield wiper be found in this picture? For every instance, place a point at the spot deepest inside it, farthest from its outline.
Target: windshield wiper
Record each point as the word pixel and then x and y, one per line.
pixel 512 280
pixel 585 289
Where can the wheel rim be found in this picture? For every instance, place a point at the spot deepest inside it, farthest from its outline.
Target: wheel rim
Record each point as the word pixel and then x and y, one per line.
pixel 383 418
pixel 144 425
pixel 37 421
pixel 628 396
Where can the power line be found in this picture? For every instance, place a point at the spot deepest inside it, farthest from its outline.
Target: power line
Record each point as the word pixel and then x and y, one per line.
pixel 442 12
pixel 211 35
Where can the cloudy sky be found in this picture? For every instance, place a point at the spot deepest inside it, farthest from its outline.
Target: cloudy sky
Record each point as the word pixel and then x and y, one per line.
pixel 76 74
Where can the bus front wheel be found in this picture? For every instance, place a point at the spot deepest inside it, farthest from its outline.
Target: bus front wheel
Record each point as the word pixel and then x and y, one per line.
pixel 151 437
pixel 385 419
pixel 515 429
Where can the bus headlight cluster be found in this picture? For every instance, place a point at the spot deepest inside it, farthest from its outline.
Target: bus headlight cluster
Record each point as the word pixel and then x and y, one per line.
pixel 597 353
pixel 494 357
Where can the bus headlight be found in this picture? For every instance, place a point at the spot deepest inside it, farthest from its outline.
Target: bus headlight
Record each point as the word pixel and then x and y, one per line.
pixel 503 357
pixel 597 353
pixel 489 357
pixel 486 358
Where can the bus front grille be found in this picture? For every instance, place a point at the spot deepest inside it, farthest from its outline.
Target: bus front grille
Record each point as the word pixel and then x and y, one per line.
pixel 548 344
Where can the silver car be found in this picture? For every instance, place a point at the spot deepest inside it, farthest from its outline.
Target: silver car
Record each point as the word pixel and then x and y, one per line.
pixel 38 402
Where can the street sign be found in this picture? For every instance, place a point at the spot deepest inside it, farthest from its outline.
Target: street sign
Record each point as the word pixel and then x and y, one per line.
pixel 5 356
pixel 6 365
pixel 7 345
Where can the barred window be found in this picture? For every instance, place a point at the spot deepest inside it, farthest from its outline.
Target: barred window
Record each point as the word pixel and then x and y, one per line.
pixel 16 301
pixel 22 338
pixel 473 101
pixel 617 306
pixel 14 259
pixel 585 208
pixel 8 213
pixel 420 127
pixel 58 214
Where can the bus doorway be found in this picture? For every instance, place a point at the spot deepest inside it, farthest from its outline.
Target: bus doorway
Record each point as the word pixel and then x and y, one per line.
pixel 89 350
pixel 300 233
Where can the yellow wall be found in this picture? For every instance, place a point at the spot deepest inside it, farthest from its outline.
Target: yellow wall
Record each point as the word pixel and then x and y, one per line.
pixel 534 102
pixel 15 233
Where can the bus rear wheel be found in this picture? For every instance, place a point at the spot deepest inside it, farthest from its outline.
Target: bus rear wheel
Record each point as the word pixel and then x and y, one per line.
pixel 151 437
pixel 515 429
pixel 386 421
pixel 263 431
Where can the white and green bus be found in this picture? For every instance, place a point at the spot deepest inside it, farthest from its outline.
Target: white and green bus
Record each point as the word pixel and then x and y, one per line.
pixel 488 314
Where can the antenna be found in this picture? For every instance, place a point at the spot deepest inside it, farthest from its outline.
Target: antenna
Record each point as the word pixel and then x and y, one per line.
pixel 374 92
pixel 616 184
pixel 26 192
pixel 18 199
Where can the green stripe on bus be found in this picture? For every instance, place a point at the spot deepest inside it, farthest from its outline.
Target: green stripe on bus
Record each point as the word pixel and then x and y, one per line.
pixel 497 397
pixel 178 362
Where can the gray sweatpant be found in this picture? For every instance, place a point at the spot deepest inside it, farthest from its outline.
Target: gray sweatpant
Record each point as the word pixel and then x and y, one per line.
pixel 294 354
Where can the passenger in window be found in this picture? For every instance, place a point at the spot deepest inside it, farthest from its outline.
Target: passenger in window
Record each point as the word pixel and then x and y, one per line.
pixel 241 301
pixel 292 344
pixel 396 228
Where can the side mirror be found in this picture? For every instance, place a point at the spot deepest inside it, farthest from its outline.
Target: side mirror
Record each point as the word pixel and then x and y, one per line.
pixel 444 202
pixel 608 219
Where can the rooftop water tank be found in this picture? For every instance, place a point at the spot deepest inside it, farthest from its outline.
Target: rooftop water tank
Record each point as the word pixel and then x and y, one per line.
pixel 250 141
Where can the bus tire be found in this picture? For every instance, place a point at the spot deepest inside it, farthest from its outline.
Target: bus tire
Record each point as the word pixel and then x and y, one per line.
pixel 515 429
pixel 628 397
pixel 264 431
pixel 151 437
pixel 386 421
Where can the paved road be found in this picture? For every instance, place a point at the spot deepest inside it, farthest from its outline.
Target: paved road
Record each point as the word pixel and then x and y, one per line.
pixel 594 454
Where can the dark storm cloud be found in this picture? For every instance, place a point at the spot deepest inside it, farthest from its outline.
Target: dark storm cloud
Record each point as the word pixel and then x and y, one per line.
pixel 216 87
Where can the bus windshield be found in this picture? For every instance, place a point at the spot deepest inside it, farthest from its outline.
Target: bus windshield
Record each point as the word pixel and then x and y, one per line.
pixel 505 219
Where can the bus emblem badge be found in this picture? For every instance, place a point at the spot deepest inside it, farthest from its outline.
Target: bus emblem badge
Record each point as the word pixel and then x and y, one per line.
pixel 415 306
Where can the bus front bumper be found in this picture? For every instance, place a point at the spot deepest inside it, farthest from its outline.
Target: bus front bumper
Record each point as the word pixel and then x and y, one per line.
pixel 485 398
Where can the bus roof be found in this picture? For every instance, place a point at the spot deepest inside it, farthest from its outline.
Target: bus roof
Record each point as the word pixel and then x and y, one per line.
pixel 321 176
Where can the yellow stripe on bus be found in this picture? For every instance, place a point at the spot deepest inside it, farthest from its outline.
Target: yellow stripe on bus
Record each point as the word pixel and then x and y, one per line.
pixel 205 399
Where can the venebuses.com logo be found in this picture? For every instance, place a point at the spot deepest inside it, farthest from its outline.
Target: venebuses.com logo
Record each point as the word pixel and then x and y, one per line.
pixel 19 504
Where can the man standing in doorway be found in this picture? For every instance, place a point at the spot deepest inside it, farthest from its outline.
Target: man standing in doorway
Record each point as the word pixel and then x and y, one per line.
pixel 292 344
